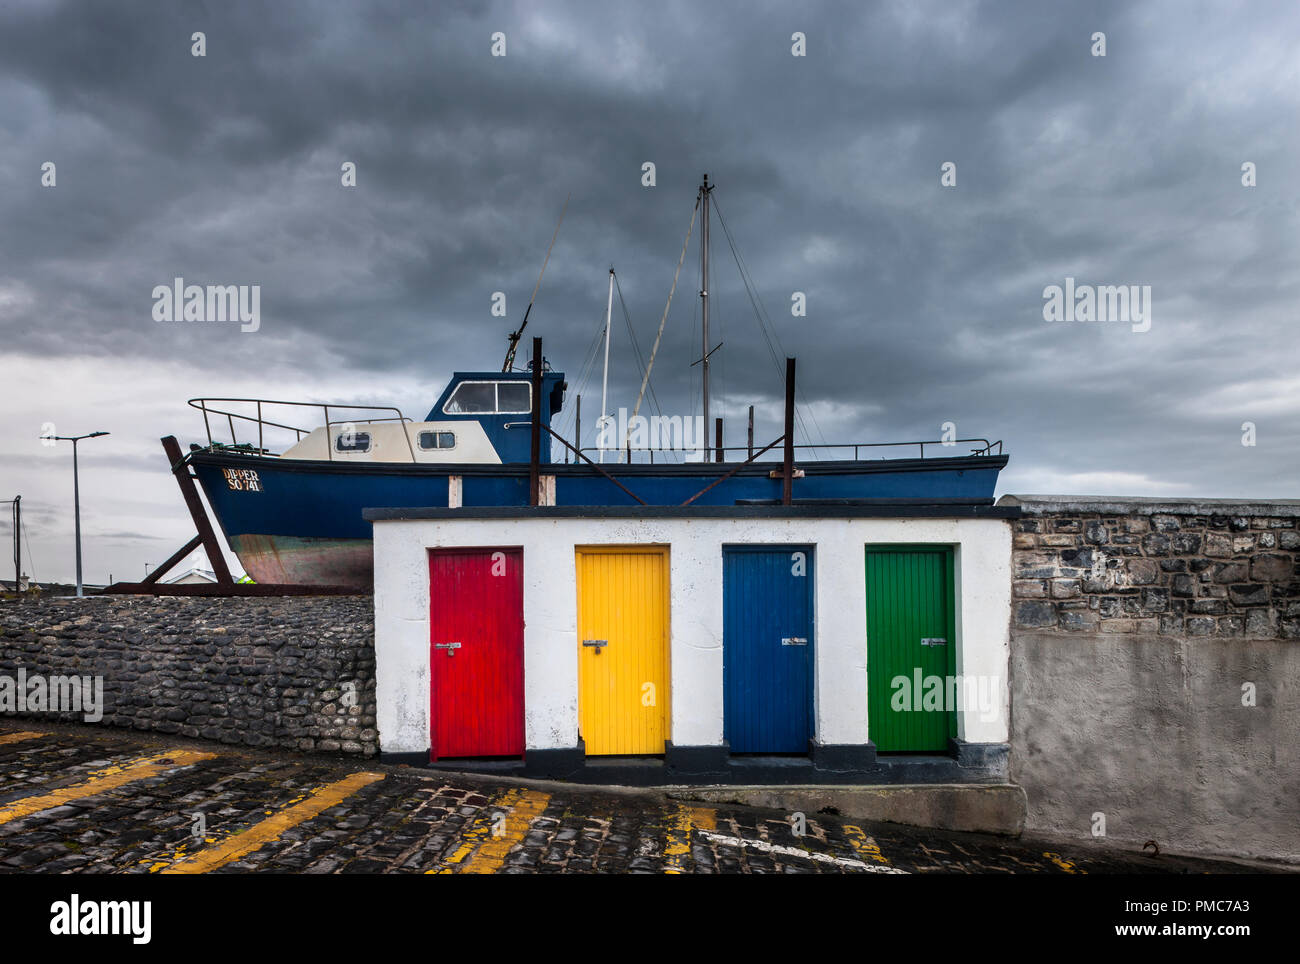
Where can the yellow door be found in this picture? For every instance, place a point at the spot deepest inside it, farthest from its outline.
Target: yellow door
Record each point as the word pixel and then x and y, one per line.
pixel 623 649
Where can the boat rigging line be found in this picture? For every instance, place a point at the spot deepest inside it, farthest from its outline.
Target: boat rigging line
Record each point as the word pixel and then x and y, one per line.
pixel 636 347
pixel 663 320
pixel 768 328
pixel 569 417
pixel 642 367
pixel 517 334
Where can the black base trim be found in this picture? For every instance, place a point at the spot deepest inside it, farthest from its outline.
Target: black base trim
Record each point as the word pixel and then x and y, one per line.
pixel 991 756
pixel 825 764
pixel 555 764
pixel 696 759
pixel 844 756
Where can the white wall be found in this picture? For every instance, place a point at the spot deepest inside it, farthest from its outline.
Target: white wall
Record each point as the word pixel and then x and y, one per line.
pixel 983 567
pixel 387 443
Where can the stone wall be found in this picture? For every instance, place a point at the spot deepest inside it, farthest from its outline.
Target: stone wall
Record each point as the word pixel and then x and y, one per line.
pixel 1155 672
pixel 293 672
pixel 1226 569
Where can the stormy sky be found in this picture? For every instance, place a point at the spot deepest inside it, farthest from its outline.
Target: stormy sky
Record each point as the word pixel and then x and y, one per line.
pixel 924 301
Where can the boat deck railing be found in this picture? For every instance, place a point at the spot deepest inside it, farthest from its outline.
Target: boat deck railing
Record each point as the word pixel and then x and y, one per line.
pixel 254 413
pixel 985 447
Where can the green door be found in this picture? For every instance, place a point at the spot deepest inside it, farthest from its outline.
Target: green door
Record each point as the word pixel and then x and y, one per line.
pixel 911 648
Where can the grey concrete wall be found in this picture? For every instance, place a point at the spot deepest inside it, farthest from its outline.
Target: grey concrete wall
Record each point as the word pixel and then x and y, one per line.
pixel 1151 732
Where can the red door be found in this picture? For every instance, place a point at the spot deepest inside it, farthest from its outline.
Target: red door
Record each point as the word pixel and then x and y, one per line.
pixel 476 655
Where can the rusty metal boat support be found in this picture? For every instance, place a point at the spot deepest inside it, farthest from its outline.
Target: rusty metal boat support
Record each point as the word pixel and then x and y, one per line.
pixel 207 538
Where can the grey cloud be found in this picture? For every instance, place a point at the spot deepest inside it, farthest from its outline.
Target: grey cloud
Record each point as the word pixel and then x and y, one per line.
pixel 924 303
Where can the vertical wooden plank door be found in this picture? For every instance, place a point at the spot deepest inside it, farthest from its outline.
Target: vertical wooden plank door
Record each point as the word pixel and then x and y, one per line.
pixel 911 648
pixel 623 662
pixel 476 653
pixel 767 643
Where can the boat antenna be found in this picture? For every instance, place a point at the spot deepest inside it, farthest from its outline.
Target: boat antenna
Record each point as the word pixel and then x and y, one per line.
pixel 517 334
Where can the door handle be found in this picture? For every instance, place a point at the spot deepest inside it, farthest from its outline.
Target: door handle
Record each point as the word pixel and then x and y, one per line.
pixel 934 641
pixel 596 644
pixel 449 647
pixel 794 641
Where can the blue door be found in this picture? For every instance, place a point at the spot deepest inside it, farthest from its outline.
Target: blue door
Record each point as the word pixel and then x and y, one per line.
pixel 767 648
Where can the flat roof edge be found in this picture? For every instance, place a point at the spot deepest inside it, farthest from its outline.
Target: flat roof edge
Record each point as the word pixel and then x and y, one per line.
pixel 1143 505
pixel 889 511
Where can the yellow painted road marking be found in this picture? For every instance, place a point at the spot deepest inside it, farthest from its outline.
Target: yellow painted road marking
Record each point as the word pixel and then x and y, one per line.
pixel 1064 864
pixel 263 832
pixel 679 835
pixel 19 737
pixel 165 859
pixel 476 834
pixel 492 854
pixel 529 805
pixel 107 779
pixel 864 845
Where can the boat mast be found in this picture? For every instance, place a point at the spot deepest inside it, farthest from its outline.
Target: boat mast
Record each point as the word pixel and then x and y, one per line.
pixel 705 190
pixel 604 382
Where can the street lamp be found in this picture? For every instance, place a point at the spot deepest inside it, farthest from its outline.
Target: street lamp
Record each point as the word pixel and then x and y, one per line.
pixel 76 492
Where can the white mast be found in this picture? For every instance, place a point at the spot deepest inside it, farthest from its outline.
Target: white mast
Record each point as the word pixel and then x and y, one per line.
pixel 604 382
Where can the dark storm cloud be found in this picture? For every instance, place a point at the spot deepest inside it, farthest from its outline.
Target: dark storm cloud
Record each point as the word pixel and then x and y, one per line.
pixel 924 302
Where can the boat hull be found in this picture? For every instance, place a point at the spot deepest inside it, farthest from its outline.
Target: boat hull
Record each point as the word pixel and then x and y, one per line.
pixel 297 561
pixel 300 522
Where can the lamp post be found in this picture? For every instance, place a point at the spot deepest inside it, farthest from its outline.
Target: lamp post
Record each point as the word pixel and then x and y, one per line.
pixel 17 503
pixel 76 493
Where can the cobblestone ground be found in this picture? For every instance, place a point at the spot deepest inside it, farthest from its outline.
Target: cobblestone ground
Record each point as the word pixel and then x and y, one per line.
pixel 80 800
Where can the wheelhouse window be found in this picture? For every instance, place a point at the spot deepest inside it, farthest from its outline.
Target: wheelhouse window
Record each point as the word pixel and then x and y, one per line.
pixel 352 442
pixel 472 398
pixel 514 398
pixel 437 440
pixel 490 398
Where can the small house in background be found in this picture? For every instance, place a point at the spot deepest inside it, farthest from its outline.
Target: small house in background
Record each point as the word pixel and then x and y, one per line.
pixel 194 576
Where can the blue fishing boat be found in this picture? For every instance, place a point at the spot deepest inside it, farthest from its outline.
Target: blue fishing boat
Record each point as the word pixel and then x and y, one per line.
pixel 294 516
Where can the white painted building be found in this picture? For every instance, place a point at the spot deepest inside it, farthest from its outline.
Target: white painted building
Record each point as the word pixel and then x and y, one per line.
pixel 842 542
